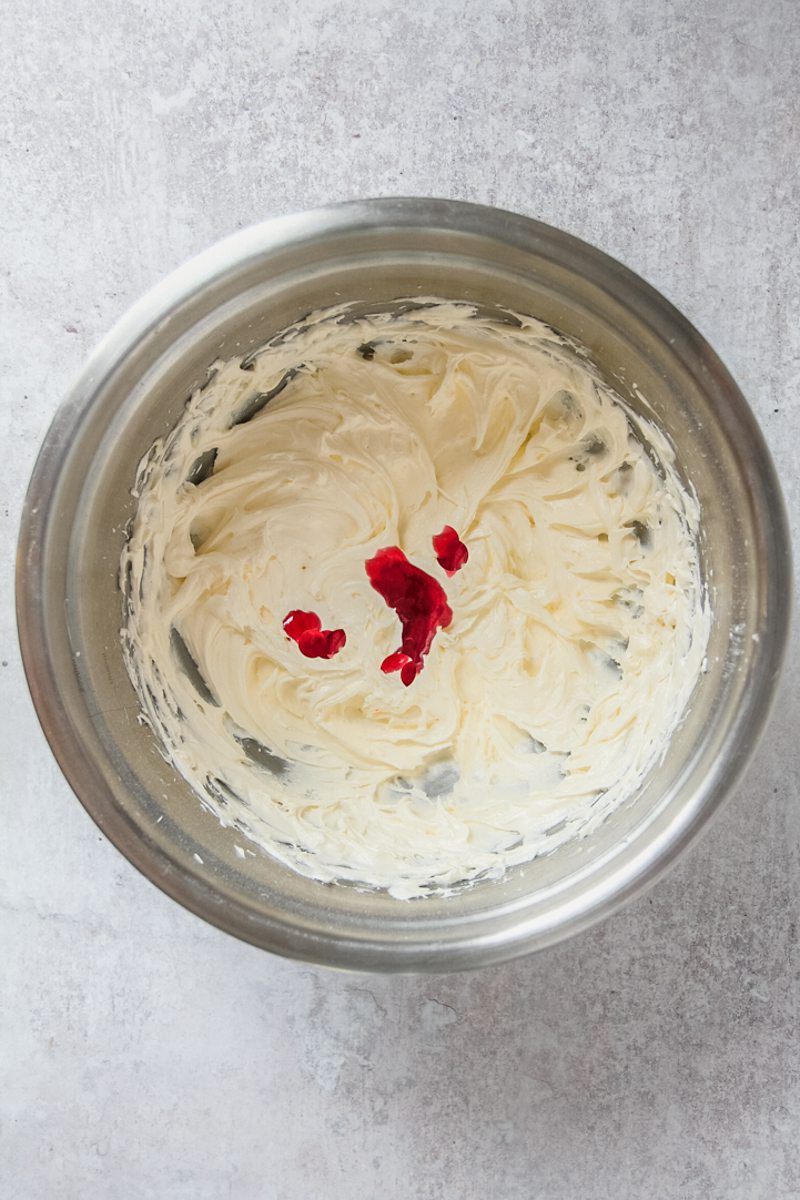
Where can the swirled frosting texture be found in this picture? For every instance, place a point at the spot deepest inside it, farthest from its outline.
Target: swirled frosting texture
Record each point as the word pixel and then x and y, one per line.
pixel 579 621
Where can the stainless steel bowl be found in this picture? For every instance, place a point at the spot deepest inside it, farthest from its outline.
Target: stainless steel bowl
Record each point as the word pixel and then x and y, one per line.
pixel 227 301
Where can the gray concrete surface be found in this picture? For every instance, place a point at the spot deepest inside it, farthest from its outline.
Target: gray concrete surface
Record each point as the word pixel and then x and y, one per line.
pixel 145 1055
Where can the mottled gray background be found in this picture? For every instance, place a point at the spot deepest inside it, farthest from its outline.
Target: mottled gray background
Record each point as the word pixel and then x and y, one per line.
pixel 143 1054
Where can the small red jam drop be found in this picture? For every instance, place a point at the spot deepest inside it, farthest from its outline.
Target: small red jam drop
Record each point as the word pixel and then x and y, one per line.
pixel 450 551
pixel 419 602
pixel 296 623
pixel 313 641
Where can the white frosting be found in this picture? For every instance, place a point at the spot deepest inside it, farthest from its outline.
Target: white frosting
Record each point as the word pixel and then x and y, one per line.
pixel 579 622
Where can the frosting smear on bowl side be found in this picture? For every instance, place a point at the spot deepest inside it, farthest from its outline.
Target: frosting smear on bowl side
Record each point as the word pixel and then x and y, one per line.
pixel 413 597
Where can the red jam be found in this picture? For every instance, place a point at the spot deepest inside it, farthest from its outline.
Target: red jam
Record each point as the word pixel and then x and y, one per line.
pixel 450 551
pixel 305 628
pixel 418 600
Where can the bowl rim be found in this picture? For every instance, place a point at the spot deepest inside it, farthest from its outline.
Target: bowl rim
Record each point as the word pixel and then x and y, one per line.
pixel 629 875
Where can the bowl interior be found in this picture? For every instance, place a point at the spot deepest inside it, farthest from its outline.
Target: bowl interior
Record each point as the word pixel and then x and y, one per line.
pixel 227 303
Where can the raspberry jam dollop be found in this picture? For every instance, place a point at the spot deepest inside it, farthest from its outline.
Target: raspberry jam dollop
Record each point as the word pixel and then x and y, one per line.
pixel 418 600
pixel 305 628
pixel 450 551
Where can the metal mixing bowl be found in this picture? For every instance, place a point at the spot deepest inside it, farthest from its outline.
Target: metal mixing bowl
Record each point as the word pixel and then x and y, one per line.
pixel 226 302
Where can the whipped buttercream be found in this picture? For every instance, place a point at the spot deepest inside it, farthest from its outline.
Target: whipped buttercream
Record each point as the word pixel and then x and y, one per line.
pixel 579 621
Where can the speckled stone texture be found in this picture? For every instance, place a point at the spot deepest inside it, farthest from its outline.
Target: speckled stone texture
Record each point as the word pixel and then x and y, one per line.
pixel 145 1055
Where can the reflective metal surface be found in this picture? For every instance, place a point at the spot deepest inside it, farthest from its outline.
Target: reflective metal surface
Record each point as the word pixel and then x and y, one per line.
pixel 226 302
